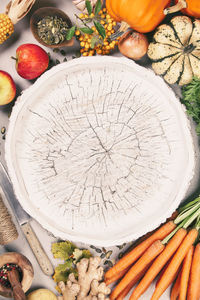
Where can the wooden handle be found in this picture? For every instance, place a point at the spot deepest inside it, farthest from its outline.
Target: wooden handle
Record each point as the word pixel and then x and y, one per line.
pixel 37 249
pixel 18 293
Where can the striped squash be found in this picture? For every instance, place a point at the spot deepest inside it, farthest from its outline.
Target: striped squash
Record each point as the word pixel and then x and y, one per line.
pixel 175 50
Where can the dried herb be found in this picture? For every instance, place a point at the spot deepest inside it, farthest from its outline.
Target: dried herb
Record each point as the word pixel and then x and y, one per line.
pixel 52 30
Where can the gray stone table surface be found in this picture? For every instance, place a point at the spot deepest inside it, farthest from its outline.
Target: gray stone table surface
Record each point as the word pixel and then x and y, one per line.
pixel 23 35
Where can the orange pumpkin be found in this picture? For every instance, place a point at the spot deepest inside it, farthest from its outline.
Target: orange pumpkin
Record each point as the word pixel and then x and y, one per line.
pixel 141 15
pixel 192 9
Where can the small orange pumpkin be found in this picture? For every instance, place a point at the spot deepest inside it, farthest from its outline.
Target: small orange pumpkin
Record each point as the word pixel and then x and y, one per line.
pixel 192 7
pixel 141 15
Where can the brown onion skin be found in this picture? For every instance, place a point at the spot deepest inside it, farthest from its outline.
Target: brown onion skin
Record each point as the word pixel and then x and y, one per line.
pixel 133 44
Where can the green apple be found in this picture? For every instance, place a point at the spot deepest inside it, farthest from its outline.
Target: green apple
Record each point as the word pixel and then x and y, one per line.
pixel 7 88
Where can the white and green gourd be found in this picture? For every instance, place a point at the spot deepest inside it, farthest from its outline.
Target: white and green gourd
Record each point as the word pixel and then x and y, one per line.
pixel 175 50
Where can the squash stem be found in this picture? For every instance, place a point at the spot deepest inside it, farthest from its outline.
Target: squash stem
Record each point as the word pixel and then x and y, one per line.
pixel 123 27
pixel 180 5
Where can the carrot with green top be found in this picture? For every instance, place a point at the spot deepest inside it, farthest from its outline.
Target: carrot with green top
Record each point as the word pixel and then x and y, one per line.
pixel 138 251
pixel 167 277
pixel 194 282
pixel 149 255
pixel 185 274
pixel 176 288
pixel 159 263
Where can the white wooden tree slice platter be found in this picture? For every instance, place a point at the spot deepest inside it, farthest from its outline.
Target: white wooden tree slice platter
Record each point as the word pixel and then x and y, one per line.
pixel 99 150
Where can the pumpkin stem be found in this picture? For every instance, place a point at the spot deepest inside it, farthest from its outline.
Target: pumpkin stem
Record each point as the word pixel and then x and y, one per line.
pixel 180 5
pixel 123 27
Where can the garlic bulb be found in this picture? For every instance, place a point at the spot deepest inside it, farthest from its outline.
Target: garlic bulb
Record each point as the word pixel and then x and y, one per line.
pixel 80 4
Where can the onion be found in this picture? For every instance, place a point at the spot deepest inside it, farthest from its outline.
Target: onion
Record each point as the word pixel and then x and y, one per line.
pixel 133 44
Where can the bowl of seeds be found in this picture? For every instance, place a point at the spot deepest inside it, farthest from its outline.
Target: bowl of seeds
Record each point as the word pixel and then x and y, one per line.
pixel 49 26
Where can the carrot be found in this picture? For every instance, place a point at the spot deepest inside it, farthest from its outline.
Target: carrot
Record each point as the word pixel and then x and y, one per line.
pixel 175 264
pixel 194 282
pixel 152 252
pixel 159 263
pixel 186 273
pixel 176 288
pixel 116 276
pixel 125 291
pixel 133 255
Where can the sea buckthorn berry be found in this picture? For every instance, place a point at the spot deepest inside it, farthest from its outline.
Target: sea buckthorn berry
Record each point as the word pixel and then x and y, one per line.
pixel 82 44
pixel 91 15
pixel 85 53
pixel 81 16
pixel 77 32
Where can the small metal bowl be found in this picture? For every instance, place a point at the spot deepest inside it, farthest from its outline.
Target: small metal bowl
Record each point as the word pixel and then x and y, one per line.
pixel 49 11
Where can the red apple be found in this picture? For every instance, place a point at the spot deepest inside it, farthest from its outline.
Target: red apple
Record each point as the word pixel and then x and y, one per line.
pixel 32 61
pixel 7 88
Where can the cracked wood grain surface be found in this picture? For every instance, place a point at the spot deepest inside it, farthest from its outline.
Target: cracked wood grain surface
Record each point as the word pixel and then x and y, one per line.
pixel 99 150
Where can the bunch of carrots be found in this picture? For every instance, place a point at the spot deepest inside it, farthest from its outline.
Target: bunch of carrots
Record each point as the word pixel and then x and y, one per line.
pixel 172 251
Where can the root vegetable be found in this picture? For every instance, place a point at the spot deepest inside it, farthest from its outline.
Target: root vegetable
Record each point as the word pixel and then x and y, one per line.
pixel 150 254
pixel 41 294
pixel 133 45
pixel 175 263
pixel 159 263
pixel 185 274
pixel 89 285
pixel 137 252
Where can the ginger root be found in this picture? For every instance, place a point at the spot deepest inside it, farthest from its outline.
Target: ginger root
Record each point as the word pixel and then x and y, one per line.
pixel 88 285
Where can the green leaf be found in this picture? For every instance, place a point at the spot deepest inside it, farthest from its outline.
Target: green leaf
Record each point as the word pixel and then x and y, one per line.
pixel 88 6
pixel 191 99
pixel 100 29
pixel 86 253
pixel 70 33
pixel 98 7
pixel 78 254
pixel 62 250
pixel 62 271
pixel 86 30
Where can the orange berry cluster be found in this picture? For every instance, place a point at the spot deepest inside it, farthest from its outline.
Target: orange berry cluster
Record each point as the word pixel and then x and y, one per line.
pixel 102 46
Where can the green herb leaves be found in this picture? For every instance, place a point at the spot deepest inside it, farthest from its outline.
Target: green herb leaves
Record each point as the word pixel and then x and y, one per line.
pixel 86 30
pixel 191 99
pixel 88 6
pixel 70 33
pixel 100 29
pixel 98 7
